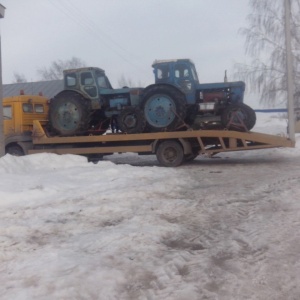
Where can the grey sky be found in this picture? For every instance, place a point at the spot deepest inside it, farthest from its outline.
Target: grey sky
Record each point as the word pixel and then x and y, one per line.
pixel 123 37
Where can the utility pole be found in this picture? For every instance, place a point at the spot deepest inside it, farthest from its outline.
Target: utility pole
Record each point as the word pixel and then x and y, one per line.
pixel 2 144
pixel 289 71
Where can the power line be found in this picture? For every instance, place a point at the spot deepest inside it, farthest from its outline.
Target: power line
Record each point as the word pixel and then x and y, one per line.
pixel 85 23
pixel 92 25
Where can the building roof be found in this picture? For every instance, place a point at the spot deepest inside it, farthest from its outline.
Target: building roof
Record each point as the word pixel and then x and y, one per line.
pixel 48 88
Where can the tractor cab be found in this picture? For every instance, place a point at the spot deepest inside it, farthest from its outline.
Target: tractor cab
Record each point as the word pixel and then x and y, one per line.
pixel 180 73
pixel 88 81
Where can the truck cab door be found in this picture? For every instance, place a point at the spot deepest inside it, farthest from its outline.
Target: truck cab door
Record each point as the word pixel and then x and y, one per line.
pixel 184 79
pixel 8 120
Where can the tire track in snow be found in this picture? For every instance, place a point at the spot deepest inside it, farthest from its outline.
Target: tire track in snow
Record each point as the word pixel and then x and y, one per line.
pixel 236 250
pixel 263 228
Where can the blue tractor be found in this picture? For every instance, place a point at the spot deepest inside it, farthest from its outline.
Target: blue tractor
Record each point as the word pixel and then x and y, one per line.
pixel 176 101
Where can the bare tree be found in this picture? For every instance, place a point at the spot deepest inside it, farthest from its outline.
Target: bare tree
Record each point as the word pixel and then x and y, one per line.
pixel 128 82
pixel 122 82
pixel 55 71
pixel 265 44
pixel 18 78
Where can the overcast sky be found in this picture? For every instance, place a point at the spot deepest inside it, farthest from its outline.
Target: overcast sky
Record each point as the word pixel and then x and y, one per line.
pixel 123 37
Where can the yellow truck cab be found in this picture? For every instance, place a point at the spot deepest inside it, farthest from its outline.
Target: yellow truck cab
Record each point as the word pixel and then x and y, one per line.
pixel 18 114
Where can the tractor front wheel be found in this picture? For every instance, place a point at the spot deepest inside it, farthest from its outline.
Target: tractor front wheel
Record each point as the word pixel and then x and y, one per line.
pixel 238 116
pixel 131 120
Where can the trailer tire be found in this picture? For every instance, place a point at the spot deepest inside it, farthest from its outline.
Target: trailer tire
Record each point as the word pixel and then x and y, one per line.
pixel 69 114
pixel 164 108
pixel 190 157
pixel 245 113
pixel 131 120
pixel 170 154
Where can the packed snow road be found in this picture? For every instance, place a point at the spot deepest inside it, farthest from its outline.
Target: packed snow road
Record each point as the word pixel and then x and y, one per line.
pixel 238 234
pixel 125 228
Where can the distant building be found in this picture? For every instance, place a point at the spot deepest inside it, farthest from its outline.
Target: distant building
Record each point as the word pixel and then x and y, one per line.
pixel 48 88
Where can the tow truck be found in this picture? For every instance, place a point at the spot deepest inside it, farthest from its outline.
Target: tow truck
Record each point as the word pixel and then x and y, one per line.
pixel 27 132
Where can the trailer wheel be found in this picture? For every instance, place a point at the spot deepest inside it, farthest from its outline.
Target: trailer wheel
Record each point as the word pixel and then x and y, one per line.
pixel 232 116
pixel 69 114
pixel 170 154
pixel 164 108
pixel 190 157
pixel 131 120
pixel 14 150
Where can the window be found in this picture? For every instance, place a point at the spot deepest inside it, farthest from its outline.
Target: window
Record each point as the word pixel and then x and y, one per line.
pixel 39 108
pixel 102 82
pixel 194 73
pixel 182 71
pixel 87 78
pixel 27 107
pixel 71 80
pixel 7 112
pixel 163 72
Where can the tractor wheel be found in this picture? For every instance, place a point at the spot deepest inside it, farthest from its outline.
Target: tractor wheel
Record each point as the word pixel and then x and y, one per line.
pixel 69 114
pixel 170 154
pixel 131 120
pixel 236 115
pixel 164 108
pixel 14 150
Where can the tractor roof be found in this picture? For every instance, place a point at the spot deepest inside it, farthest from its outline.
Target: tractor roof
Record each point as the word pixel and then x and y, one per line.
pixel 82 70
pixel 165 61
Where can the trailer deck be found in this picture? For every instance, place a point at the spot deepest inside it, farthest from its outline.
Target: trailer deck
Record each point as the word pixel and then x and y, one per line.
pixel 192 143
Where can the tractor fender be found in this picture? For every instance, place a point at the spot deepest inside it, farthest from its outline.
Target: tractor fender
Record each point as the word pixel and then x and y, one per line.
pixel 95 103
pixel 69 92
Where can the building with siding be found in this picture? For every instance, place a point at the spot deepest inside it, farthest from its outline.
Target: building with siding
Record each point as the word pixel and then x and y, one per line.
pixel 48 88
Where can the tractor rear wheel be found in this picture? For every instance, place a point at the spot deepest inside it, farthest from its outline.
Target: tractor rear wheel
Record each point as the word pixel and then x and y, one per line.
pixel 164 108
pixel 236 115
pixel 69 114
pixel 170 154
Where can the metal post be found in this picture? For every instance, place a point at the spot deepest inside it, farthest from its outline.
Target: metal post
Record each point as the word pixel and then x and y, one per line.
pixel 289 70
pixel 2 143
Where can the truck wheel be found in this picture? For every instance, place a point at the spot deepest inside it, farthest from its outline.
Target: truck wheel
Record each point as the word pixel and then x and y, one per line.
pixel 164 108
pixel 69 114
pixel 131 120
pixel 14 150
pixel 170 154
pixel 236 113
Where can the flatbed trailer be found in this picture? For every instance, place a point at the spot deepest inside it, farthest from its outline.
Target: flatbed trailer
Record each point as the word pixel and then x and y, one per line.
pixel 170 148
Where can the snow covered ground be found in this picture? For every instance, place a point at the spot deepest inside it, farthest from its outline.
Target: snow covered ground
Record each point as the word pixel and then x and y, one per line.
pixel 125 228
